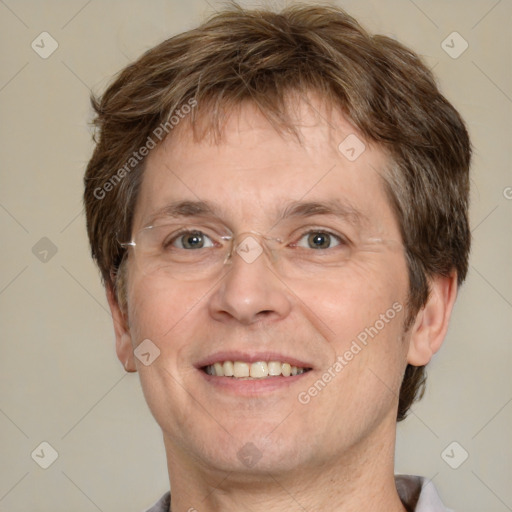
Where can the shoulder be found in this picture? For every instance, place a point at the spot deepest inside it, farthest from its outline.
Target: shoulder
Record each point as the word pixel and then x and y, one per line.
pixel 162 505
pixel 419 494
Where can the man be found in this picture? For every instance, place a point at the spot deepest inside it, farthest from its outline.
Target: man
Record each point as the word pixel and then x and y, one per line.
pixel 278 207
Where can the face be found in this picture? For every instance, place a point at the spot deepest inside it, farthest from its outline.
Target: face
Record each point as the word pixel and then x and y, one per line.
pixel 327 297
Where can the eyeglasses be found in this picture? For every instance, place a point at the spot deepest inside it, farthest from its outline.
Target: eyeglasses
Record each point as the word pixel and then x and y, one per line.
pixel 194 252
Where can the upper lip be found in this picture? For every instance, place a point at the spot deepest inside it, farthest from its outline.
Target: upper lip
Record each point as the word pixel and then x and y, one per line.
pixel 251 357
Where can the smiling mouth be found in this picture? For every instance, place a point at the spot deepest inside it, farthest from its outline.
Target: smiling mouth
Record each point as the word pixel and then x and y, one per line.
pixel 256 370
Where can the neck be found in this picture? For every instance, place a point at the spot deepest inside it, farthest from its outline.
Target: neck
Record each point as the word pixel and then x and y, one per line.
pixel 360 478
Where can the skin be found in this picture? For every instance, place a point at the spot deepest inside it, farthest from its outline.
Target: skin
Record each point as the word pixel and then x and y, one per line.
pixel 336 452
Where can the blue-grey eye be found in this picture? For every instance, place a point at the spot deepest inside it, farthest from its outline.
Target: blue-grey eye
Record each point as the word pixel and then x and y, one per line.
pixel 318 240
pixel 192 240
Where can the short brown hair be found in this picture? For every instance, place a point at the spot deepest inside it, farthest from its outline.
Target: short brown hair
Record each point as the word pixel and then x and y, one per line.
pixel 240 55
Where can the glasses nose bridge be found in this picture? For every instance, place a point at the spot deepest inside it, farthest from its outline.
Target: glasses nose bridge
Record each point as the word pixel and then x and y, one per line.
pixel 250 245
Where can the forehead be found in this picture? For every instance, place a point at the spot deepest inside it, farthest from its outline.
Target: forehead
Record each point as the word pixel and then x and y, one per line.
pixel 254 174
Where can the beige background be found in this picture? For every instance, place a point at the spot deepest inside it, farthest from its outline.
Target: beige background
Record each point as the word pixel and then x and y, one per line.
pixel 60 381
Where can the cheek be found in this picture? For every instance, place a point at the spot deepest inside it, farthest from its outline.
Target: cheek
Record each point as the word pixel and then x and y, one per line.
pixel 164 313
pixel 157 308
pixel 362 316
pixel 367 373
pixel 356 297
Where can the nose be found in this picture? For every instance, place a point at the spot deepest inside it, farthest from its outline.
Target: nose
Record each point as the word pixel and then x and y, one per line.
pixel 251 289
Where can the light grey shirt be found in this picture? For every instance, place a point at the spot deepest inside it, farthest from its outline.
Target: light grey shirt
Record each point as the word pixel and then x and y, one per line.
pixel 417 494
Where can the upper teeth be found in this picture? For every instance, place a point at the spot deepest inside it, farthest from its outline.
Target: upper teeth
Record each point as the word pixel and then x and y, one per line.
pixel 258 370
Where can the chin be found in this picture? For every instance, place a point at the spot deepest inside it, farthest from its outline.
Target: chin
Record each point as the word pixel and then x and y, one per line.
pixel 255 453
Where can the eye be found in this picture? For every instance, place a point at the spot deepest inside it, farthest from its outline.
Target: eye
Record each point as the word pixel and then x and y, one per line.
pixel 319 240
pixel 191 240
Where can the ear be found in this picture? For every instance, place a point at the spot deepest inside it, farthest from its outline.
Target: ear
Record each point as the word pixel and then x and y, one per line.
pixel 124 347
pixel 431 323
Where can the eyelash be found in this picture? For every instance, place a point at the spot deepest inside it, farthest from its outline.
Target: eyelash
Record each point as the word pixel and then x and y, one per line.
pixel 339 238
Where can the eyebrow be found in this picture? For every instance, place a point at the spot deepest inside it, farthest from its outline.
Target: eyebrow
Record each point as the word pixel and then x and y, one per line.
pixel 178 209
pixel 335 208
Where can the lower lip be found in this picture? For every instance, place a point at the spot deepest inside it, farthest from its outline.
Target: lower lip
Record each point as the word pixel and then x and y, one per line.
pixel 251 387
